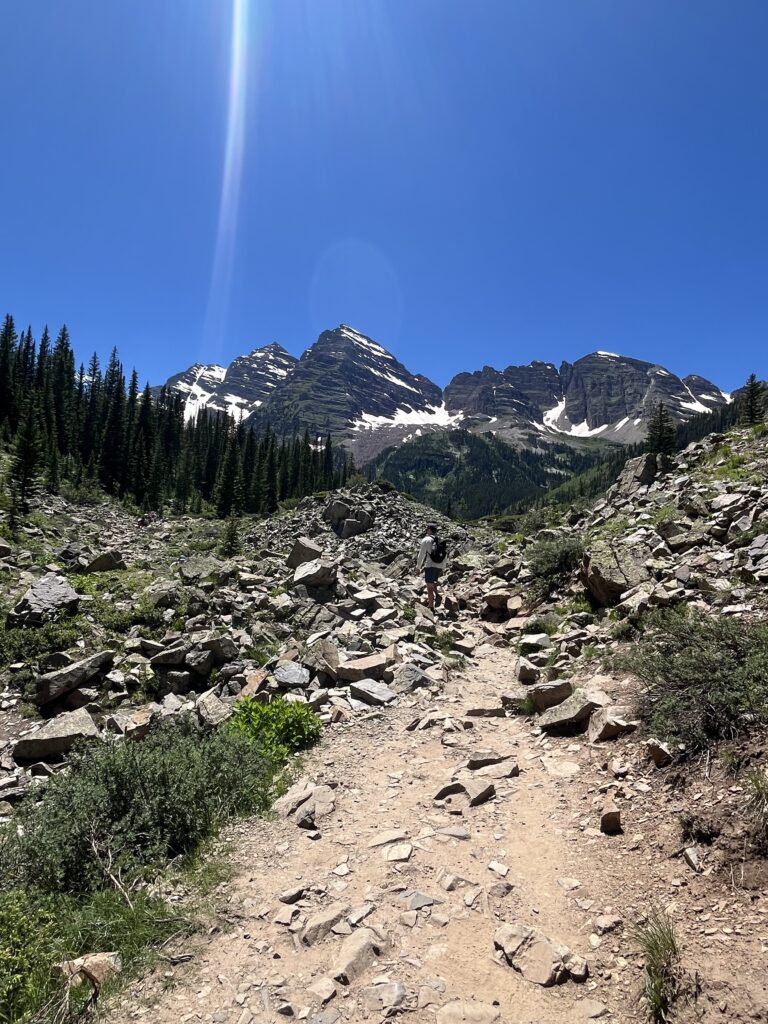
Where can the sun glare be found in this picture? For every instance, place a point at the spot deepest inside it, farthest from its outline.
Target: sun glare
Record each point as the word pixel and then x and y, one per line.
pixel 226 234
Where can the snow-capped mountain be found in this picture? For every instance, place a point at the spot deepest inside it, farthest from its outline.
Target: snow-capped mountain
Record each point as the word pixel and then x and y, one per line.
pixel 238 389
pixel 349 385
pixel 601 395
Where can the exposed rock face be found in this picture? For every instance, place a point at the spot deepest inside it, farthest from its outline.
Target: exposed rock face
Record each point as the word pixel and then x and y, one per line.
pixel 238 389
pixel 345 383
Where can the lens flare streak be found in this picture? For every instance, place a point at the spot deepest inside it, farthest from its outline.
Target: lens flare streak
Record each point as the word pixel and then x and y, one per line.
pixel 229 205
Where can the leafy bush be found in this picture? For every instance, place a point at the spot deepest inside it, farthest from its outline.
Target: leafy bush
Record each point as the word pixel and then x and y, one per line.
pixel 25 937
pixel 707 677
pixel 29 643
pixel 552 560
pixel 122 810
pixel 280 727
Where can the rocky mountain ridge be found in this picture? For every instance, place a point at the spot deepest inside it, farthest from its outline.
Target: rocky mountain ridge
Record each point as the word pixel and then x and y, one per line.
pixel 348 384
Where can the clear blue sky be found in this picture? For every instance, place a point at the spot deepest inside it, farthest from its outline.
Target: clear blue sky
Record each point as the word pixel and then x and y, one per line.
pixel 468 182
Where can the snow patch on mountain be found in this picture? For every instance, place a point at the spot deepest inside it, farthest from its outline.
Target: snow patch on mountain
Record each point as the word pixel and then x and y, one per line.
pixel 430 417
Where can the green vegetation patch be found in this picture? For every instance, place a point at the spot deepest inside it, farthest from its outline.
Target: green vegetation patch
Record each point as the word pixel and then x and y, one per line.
pixel 552 560
pixel 706 677
pixel 280 728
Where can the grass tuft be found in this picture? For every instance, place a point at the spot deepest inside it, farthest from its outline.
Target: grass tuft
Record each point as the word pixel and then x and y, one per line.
pixel 657 942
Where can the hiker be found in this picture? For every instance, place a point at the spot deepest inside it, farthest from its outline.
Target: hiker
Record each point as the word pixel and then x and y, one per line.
pixel 431 559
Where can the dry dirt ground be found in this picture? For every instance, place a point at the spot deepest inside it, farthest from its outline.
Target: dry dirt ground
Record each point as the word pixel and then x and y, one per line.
pixel 540 831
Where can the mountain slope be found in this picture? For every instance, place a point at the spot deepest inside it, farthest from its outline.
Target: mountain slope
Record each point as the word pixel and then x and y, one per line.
pixel 473 475
pixel 238 389
pixel 351 386
pixel 600 395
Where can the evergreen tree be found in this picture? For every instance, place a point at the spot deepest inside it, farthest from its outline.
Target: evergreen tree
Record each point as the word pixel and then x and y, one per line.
pixel 270 483
pixel 28 454
pixel 752 402
pixel 661 432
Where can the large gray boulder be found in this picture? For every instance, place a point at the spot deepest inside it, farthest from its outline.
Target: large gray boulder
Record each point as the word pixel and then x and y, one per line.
pixel 303 550
pixel 574 712
pixel 637 473
pixel 45 601
pixel 56 737
pixel 610 569
pixel 54 685
pixel 316 574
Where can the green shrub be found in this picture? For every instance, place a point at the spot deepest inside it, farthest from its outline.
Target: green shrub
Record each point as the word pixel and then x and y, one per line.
pixel 124 809
pixel 30 643
pixel 757 808
pixel 552 560
pixel 548 624
pixel 707 677
pixel 26 937
pixel 280 727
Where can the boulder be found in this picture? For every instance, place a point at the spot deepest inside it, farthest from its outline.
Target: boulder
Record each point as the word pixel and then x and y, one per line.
pixel 212 710
pixel 45 600
pixel 336 512
pixel 107 561
pixel 637 473
pixel 372 666
pixel 200 662
pixel 573 712
pixel 316 574
pixel 320 923
pixel 410 677
pixel 94 968
pixel 290 676
pixel 532 643
pixel 610 569
pixel 610 819
pixel 54 685
pixel 548 695
pixel 358 951
pixel 372 691
pixel 540 960
pixel 56 737
pixel 223 648
pixel 609 722
pixel 303 550
pixel 658 752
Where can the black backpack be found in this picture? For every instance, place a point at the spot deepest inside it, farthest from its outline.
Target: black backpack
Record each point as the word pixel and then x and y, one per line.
pixel 439 550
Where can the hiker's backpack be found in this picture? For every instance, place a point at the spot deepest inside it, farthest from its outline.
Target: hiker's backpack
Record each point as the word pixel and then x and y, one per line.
pixel 439 550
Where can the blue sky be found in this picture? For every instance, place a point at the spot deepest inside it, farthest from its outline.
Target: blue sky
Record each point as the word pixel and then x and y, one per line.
pixel 468 183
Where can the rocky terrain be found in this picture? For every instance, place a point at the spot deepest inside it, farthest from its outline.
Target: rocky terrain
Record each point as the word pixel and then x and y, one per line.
pixel 350 385
pixel 513 821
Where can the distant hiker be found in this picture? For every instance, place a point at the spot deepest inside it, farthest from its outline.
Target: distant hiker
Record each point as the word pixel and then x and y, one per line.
pixel 431 559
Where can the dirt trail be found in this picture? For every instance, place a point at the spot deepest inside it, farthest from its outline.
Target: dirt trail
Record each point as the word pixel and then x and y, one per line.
pixel 540 826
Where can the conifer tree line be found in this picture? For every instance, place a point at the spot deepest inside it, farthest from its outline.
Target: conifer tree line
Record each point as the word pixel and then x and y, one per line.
pixel 93 428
